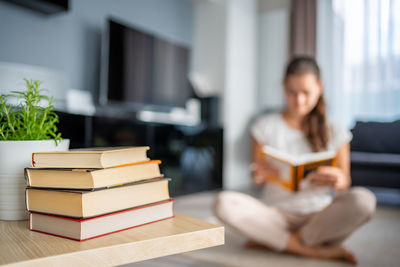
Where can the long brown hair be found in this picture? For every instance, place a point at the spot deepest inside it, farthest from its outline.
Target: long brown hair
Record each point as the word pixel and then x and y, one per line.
pixel 314 124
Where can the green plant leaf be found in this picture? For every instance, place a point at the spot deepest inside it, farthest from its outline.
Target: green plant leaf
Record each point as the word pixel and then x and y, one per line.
pixel 27 120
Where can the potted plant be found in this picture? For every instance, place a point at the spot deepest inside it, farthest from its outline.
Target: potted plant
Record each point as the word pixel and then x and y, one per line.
pixel 28 124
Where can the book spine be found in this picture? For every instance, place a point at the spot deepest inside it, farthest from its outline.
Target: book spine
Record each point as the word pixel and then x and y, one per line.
pixel 334 161
pixel 30 221
pixel 33 160
pixel 297 173
pixel 27 177
pixel 26 199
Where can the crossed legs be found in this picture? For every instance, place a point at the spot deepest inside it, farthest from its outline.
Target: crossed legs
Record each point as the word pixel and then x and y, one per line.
pixel 316 235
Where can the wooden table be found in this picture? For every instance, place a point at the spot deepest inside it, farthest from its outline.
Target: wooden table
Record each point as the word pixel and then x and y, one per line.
pixel 21 247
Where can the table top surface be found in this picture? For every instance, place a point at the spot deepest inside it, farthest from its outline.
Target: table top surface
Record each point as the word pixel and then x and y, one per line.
pixel 21 247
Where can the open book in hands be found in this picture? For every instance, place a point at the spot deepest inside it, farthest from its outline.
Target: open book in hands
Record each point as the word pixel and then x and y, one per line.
pixel 293 169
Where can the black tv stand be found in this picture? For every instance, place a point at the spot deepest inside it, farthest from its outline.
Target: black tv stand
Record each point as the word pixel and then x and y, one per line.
pixel 191 156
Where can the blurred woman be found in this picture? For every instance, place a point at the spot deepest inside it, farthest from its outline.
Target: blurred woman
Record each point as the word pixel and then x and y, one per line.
pixel 316 219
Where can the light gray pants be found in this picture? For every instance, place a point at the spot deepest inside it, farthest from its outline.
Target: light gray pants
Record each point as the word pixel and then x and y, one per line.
pixel 272 227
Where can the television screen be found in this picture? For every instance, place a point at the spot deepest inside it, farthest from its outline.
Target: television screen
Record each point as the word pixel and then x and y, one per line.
pixel 144 70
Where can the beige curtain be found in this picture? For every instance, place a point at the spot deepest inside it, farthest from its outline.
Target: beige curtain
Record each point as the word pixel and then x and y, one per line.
pixel 303 28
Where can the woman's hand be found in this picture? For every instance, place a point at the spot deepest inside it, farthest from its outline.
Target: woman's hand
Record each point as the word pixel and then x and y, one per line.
pixel 331 176
pixel 262 171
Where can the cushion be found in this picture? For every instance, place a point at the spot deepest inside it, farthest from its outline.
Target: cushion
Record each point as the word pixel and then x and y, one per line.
pixel 377 137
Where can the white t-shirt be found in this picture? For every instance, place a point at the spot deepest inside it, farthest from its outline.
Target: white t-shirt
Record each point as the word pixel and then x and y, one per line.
pixel 271 129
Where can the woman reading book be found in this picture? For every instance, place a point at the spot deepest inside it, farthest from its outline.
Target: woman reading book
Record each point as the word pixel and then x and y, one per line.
pixel 316 219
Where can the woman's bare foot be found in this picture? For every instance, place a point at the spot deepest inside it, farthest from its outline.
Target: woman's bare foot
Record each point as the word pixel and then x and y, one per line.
pixel 340 253
pixel 254 244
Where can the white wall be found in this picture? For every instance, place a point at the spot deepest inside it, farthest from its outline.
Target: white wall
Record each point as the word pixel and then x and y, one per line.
pixel 273 47
pixel 208 46
pixel 240 48
pixel 224 55
pixel 69 42
pixel 239 98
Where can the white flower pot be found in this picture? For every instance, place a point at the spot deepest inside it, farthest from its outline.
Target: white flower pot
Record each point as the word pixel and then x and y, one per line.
pixel 14 157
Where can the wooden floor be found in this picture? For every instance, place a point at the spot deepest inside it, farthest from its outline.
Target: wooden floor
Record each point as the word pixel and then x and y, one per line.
pixel 376 243
pixel 174 261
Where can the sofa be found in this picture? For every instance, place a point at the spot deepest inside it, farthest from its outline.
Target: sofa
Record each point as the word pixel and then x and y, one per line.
pixel 375 154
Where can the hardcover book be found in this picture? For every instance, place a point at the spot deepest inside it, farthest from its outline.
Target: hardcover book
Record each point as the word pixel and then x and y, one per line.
pixel 84 229
pixel 292 170
pixel 92 178
pixel 85 204
pixel 90 158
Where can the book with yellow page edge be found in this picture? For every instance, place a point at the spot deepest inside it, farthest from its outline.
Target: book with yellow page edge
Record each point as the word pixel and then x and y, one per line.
pixel 90 158
pixel 293 169
pixel 87 179
pixel 85 204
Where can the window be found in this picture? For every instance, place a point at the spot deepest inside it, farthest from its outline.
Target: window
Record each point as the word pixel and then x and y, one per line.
pixel 358 48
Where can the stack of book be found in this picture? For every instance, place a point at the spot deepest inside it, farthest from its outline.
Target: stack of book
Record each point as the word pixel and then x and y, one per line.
pixel 83 194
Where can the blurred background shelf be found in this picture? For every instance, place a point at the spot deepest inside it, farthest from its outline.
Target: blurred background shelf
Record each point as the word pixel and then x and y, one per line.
pixel 191 156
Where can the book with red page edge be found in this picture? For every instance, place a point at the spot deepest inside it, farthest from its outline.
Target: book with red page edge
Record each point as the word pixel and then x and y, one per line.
pixel 100 225
pixel 73 203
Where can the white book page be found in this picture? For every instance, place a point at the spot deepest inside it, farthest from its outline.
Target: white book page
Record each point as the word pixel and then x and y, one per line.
pixel 317 156
pixel 298 160
pixel 273 152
